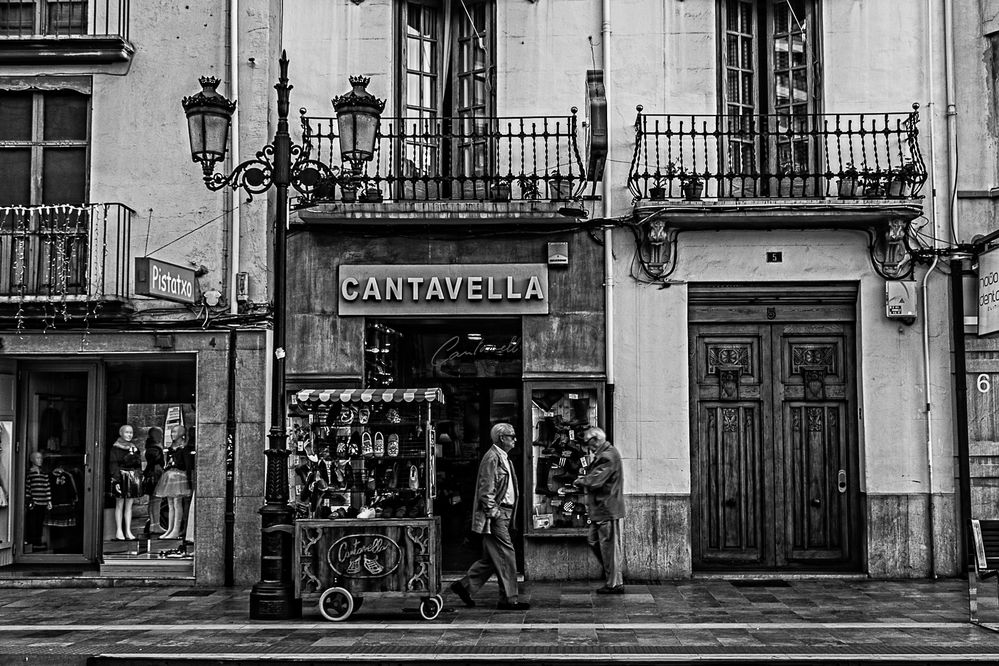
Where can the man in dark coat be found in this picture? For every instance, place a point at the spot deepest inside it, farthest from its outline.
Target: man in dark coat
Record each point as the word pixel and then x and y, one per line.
pixel 493 508
pixel 604 485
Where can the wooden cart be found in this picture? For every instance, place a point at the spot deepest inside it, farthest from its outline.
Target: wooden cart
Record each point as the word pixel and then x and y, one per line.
pixel 393 548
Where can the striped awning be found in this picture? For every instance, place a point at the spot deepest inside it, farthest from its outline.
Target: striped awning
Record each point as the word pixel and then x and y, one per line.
pixel 324 396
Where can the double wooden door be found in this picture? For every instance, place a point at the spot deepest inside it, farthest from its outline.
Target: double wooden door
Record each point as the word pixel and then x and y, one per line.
pixel 773 445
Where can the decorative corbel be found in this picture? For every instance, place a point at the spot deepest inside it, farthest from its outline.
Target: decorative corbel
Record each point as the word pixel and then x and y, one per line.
pixel 890 253
pixel 656 248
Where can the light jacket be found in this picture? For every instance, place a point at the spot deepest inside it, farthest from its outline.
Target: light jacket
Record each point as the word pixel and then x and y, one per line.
pixel 490 489
pixel 604 484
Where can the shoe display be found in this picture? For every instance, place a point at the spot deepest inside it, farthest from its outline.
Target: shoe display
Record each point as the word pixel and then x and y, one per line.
pixel 513 606
pixel 458 589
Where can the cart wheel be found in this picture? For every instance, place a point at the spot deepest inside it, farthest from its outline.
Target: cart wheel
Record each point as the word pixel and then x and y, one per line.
pixel 431 607
pixel 336 604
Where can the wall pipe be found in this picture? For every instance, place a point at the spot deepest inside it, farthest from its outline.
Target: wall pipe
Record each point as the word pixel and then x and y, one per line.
pixel 929 421
pixel 608 191
pixel 234 202
pixel 229 537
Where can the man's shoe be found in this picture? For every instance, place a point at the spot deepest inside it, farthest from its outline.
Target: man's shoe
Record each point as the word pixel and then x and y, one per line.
pixel 515 606
pixel 617 589
pixel 462 593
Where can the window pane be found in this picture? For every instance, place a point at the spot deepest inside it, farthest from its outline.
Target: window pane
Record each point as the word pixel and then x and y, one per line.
pixel 413 54
pixel 413 91
pixel 15 186
pixel 15 116
pixel 65 117
pixel 64 175
pixel 16 18
pixel 67 18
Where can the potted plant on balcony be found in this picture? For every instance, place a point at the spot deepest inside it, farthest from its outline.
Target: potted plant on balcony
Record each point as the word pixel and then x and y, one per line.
pixel 502 191
pixel 661 182
pixel 348 191
pixel 691 185
pixel 371 193
pixel 899 182
pixel 560 186
pixel 851 183
pixel 529 187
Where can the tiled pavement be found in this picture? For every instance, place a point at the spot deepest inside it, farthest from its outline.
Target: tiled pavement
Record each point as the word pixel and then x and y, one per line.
pixel 831 620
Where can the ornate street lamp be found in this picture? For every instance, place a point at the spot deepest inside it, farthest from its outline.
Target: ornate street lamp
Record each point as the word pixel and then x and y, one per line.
pixel 278 164
pixel 357 115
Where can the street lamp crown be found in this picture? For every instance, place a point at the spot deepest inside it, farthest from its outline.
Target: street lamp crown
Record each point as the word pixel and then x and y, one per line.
pixel 358 96
pixel 209 96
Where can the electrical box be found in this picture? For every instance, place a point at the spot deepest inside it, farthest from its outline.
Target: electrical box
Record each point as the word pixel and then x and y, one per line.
pixel 242 286
pixel 900 300
pixel 558 254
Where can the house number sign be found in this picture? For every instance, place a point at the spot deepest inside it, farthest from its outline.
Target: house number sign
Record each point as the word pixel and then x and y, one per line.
pixel 364 556
pixel 442 289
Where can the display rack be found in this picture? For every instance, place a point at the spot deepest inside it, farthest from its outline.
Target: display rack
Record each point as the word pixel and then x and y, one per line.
pixel 558 414
pixel 366 484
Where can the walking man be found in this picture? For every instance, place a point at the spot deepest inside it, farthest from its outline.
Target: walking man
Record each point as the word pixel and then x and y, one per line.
pixel 604 485
pixel 493 510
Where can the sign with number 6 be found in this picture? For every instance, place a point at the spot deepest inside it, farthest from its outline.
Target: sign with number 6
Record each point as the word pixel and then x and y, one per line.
pixel 984 385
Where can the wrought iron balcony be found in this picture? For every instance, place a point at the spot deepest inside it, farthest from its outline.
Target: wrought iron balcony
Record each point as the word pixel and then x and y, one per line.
pixel 440 159
pixel 76 254
pixel 77 31
pixel 809 156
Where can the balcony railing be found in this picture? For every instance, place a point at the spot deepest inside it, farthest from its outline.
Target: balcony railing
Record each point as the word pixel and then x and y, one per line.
pixel 64 18
pixel 460 158
pixel 71 253
pixel 777 156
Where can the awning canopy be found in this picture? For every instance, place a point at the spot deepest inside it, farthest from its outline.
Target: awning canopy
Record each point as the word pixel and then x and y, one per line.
pixel 317 397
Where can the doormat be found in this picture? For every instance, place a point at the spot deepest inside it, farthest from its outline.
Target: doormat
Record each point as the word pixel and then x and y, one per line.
pixel 192 593
pixel 760 583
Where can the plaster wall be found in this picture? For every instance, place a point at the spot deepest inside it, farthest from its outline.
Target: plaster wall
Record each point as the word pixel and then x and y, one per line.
pixel 652 357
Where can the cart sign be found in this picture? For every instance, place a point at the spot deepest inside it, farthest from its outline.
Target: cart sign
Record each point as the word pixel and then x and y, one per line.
pixel 443 289
pixel 988 293
pixel 162 280
pixel 364 556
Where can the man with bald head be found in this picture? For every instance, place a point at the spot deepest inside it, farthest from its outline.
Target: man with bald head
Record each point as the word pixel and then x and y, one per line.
pixel 604 486
pixel 493 509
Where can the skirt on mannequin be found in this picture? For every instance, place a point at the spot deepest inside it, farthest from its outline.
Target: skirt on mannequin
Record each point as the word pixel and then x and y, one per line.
pixel 173 483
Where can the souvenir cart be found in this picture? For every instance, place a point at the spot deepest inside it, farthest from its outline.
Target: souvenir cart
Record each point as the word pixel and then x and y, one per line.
pixel 365 484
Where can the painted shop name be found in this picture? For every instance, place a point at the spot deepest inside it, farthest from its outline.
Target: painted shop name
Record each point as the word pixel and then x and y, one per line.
pixel 473 288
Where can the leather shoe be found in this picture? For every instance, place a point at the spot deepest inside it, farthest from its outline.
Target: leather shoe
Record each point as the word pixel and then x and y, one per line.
pixel 617 589
pixel 514 606
pixel 462 593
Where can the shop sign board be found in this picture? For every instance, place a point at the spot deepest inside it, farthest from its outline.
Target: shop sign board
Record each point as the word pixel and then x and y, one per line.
pixel 167 281
pixel 443 289
pixel 364 556
pixel 988 293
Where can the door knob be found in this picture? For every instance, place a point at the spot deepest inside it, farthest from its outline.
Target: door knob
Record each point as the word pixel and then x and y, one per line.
pixel 841 481
pixel 816 501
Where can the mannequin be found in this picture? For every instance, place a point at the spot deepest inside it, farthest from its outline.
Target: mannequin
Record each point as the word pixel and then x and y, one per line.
pixel 125 465
pixel 38 500
pixel 151 477
pixel 174 485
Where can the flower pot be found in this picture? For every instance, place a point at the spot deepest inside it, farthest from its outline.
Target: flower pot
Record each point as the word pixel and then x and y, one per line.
pixel 501 192
pixel 348 194
pixel 692 189
pixel 560 189
pixel 371 195
pixel 899 187
pixel 657 193
pixel 850 187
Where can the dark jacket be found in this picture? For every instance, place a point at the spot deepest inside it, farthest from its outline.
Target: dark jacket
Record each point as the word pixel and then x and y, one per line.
pixel 604 484
pixel 490 488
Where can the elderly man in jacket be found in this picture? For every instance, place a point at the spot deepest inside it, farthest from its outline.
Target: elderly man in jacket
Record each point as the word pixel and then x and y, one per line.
pixel 604 485
pixel 493 510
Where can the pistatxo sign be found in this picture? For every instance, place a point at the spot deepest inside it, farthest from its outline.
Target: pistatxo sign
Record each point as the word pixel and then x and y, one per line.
pixel 988 293
pixel 442 289
pixel 162 280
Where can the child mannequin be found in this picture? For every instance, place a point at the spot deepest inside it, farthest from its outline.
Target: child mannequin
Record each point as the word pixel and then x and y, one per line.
pixel 173 485
pixel 125 465
pixel 39 499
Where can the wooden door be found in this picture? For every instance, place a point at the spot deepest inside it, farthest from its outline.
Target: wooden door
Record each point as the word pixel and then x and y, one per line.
pixel 772 445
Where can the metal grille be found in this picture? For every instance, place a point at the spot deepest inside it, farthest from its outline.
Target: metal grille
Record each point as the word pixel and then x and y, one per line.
pixel 64 18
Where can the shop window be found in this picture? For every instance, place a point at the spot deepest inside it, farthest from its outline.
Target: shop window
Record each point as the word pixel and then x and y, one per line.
pixel 770 82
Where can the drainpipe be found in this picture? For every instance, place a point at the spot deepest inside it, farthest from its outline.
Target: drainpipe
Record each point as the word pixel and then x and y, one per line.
pixel 929 420
pixel 605 47
pixel 229 537
pixel 234 202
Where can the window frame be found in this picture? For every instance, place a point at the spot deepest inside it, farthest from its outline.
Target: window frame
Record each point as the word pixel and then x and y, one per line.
pixel 41 23
pixel 38 145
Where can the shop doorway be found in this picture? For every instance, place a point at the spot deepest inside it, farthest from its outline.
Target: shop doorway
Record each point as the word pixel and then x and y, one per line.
pixel 773 443
pixel 57 463
pixel 477 364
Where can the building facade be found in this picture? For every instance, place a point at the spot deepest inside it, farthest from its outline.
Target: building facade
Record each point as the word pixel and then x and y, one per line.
pixel 717 228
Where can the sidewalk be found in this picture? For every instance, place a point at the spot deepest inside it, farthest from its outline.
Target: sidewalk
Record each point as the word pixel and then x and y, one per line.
pixel 818 620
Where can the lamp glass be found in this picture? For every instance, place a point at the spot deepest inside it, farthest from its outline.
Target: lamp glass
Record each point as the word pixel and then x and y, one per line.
pixel 209 131
pixel 357 135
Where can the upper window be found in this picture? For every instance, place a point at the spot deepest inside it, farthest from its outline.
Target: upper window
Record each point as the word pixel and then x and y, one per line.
pixel 44 138
pixel 770 81
pixel 43 17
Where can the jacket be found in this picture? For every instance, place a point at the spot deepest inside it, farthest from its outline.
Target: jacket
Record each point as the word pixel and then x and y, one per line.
pixel 604 484
pixel 490 488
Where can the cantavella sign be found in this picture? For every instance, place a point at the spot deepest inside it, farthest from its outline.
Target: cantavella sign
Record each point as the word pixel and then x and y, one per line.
pixel 443 289
pixel 162 280
pixel 988 293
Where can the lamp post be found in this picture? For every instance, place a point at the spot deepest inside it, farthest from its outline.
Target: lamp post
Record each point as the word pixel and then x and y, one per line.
pixel 278 164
